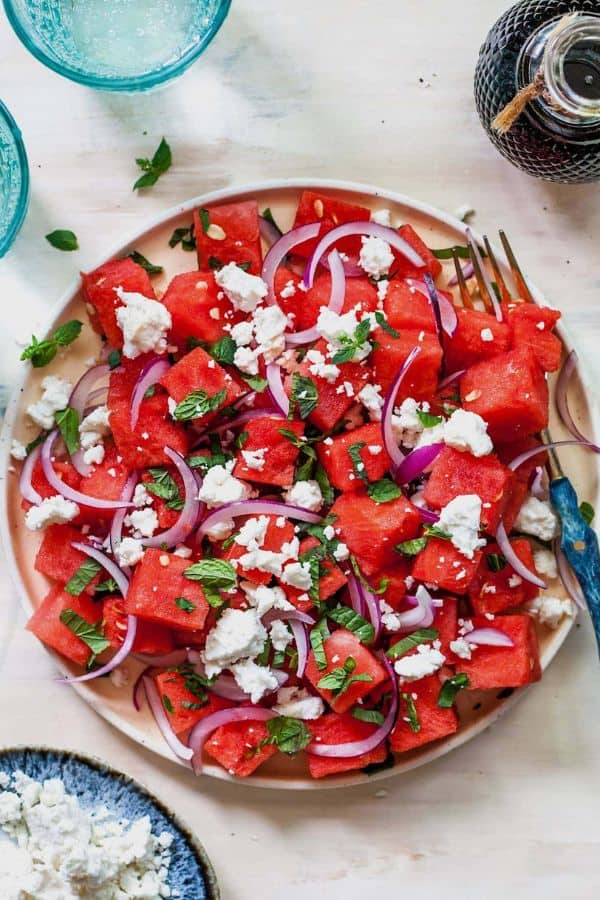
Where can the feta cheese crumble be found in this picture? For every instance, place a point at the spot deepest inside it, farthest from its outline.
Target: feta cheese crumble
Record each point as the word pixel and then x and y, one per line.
pixel 461 648
pixel 144 324
pixel 270 324
pixel 537 518
pixel 55 396
pixel 376 257
pixel 280 635
pixel 245 291
pixel 255 459
pixel 545 563
pixel 461 520
pixel 320 368
pixel 467 431
pixel 129 552
pixel 298 703
pixel 143 522
pixel 550 611
pixel 220 487
pixel 427 660
pixel 487 334
pixel 252 533
pixel 297 575
pixel 253 679
pixel 306 494
pixel 337 329
pixel 51 511
pixel 238 634
pixel 371 399
pixel 264 598
pixel 382 217
pixel 18 450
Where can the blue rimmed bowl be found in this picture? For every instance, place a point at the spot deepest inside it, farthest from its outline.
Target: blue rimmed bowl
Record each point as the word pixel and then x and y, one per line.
pixel 14 180
pixel 117 45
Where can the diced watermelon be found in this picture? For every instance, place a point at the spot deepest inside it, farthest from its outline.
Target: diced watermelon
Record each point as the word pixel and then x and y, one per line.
pixel 388 358
pixel 157 582
pixel 446 623
pixel 275 536
pixel 155 429
pixel 338 464
pixel 180 703
pixel 99 293
pixel 276 465
pixel 331 580
pixel 198 371
pixel 531 326
pixel 317 207
pixel 339 647
pixel 106 481
pixel 435 723
pixel 500 667
pixel 199 308
pixel 241 241
pixel 405 268
pixel 46 625
pixel 440 563
pixel 239 747
pixel 395 576
pixel 407 307
pixel 372 530
pixel 334 398
pixel 360 295
pixel 64 470
pixel 468 346
pixel 57 559
pixel 150 637
pixel 300 304
pixel 342 729
pixel 509 392
pixel 166 516
pixel 493 592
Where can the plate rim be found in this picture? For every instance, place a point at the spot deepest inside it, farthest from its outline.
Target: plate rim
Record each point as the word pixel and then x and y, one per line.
pixel 438 749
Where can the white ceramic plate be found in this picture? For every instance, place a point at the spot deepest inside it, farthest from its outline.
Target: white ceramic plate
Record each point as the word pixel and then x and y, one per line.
pixel 437 229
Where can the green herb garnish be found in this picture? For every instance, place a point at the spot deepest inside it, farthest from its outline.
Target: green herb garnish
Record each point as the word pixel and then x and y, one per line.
pixel 317 636
pixel 150 268
pixel 114 359
pixel 198 404
pixel 215 575
pixel 78 582
pixel 304 395
pixel 342 677
pixel 352 345
pixel 155 167
pixel 412 719
pixel 496 561
pixel 422 636
pixel 448 252
pixel 450 689
pixel 184 236
pixel 373 716
pixel 90 634
pixel 63 240
pixel 185 605
pixel 427 420
pixel 40 353
pixel 166 701
pixel 347 618
pixel 165 487
pixel 383 323
pixel 384 490
pixel 287 734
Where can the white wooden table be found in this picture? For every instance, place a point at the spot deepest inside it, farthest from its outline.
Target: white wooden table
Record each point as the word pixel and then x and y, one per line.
pixel 376 92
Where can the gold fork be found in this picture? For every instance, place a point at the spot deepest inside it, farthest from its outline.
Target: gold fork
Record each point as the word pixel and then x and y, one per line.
pixel 484 283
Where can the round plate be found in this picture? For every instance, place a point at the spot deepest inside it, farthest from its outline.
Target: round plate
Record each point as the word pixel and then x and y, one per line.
pixel 437 229
pixel 94 783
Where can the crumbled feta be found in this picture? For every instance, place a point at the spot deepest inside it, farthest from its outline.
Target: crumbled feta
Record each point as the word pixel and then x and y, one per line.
pixel 220 530
pixel 144 324
pixel 425 661
pixel 382 289
pixel 252 533
pixel 238 634
pixel 94 427
pixel 371 399
pixel 55 396
pixel 329 532
pixel 514 581
pixel 143 522
pixel 255 459
pixel 18 450
pixel 246 360
pixel 220 486
pixel 297 575
pixel 467 431
pixel 141 497
pixel 245 291
pixel 129 552
pixel 550 610
pixel 320 368
pixel 268 560
pixel 461 520
pixel 306 494
pixel 265 598
pixel 341 552
pixel 94 456
pixel 338 329
pixel 537 518
pixel 545 563
pixel 288 290
pixel 461 648
pixel 406 424
pixel 182 551
pixel 242 333
pixel 376 257
pixel 253 679
pixel 487 334
pixel 51 511
pixel 280 635
pixel 298 703
pixel 270 324
pixel 382 217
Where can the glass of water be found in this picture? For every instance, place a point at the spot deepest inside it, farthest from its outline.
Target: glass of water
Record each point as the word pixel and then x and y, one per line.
pixel 14 180
pixel 117 45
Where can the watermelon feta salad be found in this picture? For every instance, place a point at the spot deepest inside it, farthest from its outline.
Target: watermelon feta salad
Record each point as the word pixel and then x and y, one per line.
pixel 306 492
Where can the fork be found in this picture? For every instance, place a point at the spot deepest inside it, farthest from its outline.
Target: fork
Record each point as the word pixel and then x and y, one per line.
pixel 578 540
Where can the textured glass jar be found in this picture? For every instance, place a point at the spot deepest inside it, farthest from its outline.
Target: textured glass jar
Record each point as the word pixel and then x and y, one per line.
pixel 14 180
pixel 557 137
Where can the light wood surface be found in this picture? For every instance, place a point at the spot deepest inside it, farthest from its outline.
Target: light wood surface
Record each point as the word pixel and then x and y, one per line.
pixel 324 89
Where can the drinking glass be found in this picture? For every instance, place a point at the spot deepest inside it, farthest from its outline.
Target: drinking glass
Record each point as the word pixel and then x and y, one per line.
pixel 14 180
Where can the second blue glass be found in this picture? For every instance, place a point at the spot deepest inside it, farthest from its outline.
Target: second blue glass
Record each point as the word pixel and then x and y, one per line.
pixel 14 180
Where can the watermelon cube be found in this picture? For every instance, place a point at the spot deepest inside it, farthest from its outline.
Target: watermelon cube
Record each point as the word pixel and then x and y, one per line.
pixel 335 398
pixel 360 295
pixel 441 564
pixel 157 583
pixel 98 288
pixel 532 326
pixel 229 233
pixel 275 536
pixel 239 747
pixel 150 638
pixel 342 729
pixel 509 392
pixel 495 591
pixel 435 723
pixel 199 308
pixel 64 470
pixel 198 371
pixel 184 707
pixel 478 336
pixel 390 355
pixel 501 667
pixel 407 307
pixel 395 577
pixel 330 212
pixel 107 481
pixel 406 269
pixel 275 456
pixel 372 530
pixel 57 559
pixel 336 460
pixel 301 305
pixel 331 580
pixel 446 623
pixel 46 625
pixel 339 647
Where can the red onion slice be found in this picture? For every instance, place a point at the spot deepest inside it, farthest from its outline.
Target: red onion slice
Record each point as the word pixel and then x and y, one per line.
pixel 301 639
pixel 26 488
pixel 232 424
pixel 485 275
pixel 80 395
pixel 269 232
pixel 150 375
pixel 513 560
pixel 562 402
pixel 357 600
pixel 489 637
pixel 160 717
pixel 276 389
pixel 164 660
pixel 450 379
pixel 428 515
pixel 116 527
pixel 68 492
pixel 280 250
pixel 538 486
pixel 287 615
pixel 414 464
pixel 351 229
pixel 567 577
pixel 468 272
pixel 367 745
pixel 206 726
pixel 373 609
pixel 523 457
pixel 336 301
pixel 256 508
pixel 445 316
pixel 352 269
pixel 389 442
pixel 185 524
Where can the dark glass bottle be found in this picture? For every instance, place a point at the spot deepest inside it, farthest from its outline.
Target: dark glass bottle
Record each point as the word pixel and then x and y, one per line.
pixel 557 137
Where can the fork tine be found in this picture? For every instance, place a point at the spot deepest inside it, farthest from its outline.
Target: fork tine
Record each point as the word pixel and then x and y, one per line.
pixel 504 292
pixel 522 288
pixel 477 266
pixel 462 284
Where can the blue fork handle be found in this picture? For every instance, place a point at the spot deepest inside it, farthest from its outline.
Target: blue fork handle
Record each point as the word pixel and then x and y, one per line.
pixel 579 543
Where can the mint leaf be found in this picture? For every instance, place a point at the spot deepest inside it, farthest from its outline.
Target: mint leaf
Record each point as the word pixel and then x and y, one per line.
pixel 322 479
pixel 109 586
pixel 422 636
pixel 85 631
pixel 150 268
pixel 184 236
pixel 339 679
pixel 317 636
pixel 347 618
pixel 114 359
pixel 450 689
pixel 587 512
pixel 448 252
pixel 373 716
pixel 164 487
pixel 351 345
pixel 427 420
pixel 412 717
pixel 154 168
pixel 166 701
pixel 67 332
pixel 78 582
pixel 40 353
pixel 496 561
pixel 63 240
pixel 256 382
pixel 412 548
pixel 185 605
pixel 358 463
pixel 287 734
pixel 198 404
pixel 383 323
pixel 215 575
pixel 383 584
pixel 304 395
pixel 68 423
pixel 204 219
pixel 223 350
pixel 384 490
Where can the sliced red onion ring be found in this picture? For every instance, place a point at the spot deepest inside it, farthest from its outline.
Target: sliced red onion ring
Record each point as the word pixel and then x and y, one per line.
pixel 513 560
pixel 367 745
pixel 123 584
pixel 468 272
pixel 336 301
pixel 414 463
pixel 206 726
pixel 287 615
pixel 489 637
pixel 538 487
pixel 351 229
pixel 150 375
pixel 567 577
pixel 269 231
pixel 428 515
pixel 523 457
pixel 232 424
pixel 352 269
pixel 485 275
pixel 256 508
pixel 450 379
pixel 276 389
pixel 373 609
pixel 301 639
pixel 80 395
pixel 116 527
pixel 26 488
pixel 164 660
pixel 160 717
pixel 445 316
pixel 357 600
pixel 280 250
pixel 562 402
pixel 422 615
pixel 389 442
pixel 192 507
pixel 68 492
